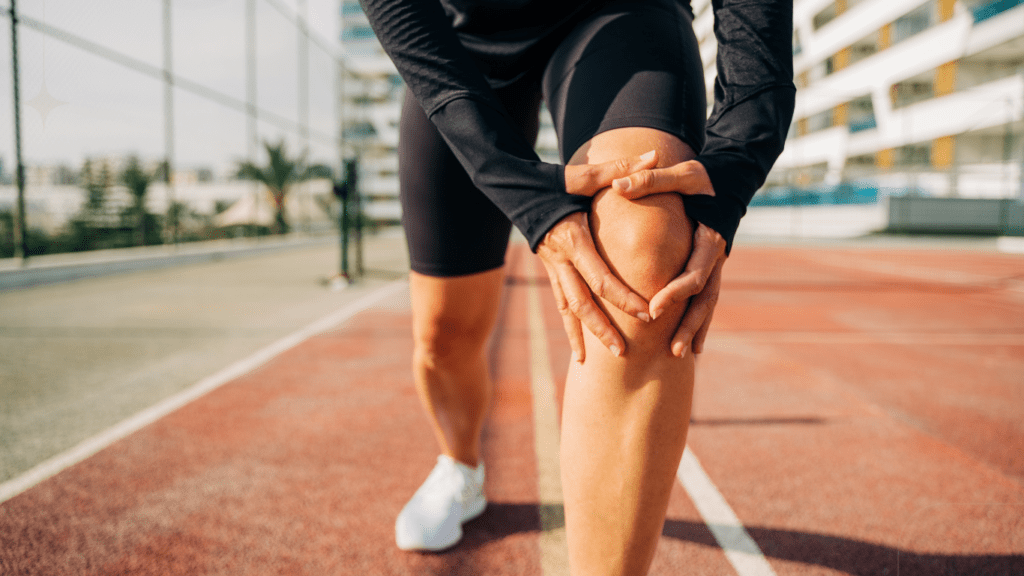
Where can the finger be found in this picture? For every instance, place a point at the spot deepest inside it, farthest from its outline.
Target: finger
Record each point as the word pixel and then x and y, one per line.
pixel 603 283
pixel 688 178
pixel 697 317
pixel 589 179
pixel 702 333
pixel 571 243
pixel 698 269
pixel 570 322
pixel 581 304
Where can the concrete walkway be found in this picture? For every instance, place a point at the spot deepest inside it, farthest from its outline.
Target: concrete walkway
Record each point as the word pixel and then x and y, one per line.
pixel 79 356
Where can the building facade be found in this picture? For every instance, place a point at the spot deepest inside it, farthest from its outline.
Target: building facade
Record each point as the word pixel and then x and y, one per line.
pixel 919 96
pixel 371 95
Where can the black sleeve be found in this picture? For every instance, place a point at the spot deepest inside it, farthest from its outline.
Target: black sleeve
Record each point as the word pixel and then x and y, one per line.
pixel 754 100
pixel 418 37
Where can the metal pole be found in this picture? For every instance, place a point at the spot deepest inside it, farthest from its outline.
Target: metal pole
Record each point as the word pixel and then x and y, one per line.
pixel 1020 192
pixel 252 128
pixel 1008 145
pixel 172 212
pixel 303 28
pixel 20 247
pixel 343 227
pixel 301 18
pixel 339 101
pixel 357 204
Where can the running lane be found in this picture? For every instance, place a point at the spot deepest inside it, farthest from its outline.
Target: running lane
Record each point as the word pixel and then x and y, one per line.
pixel 298 467
pixel 860 410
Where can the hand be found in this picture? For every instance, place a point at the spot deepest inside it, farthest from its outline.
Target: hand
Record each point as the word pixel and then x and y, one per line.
pixel 577 272
pixel 702 278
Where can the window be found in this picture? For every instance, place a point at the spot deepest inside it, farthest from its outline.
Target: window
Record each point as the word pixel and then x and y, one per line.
pixel 861 114
pixel 912 91
pixel 820 121
pixel 357 33
pixel 913 22
pixel 350 8
pixel 825 16
pixel 914 155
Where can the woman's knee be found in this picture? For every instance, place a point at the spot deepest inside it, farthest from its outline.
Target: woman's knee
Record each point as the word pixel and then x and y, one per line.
pixel 647 241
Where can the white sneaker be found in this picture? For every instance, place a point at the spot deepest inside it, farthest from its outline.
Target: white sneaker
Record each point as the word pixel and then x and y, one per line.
pixel 452 495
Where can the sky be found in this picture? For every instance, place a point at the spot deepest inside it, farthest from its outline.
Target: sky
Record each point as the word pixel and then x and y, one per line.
pixel 78 105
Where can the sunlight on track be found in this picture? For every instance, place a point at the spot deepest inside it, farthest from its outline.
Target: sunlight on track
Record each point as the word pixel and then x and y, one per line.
pixel 554 559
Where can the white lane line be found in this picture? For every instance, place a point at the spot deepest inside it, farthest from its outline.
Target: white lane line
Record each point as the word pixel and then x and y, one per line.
pixel 740 549
pixel 94 444
pixel 554 555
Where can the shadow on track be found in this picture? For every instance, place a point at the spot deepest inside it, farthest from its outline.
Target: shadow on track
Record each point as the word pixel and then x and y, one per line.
pixel 846 555
pixel 855 556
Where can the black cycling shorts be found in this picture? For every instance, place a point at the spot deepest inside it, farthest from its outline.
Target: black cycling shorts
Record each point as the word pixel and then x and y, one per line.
pixel 629 64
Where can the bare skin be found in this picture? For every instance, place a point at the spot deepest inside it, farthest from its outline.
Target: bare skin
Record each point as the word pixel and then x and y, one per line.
pixel 624 418
pixel 628 396
pixel 453 318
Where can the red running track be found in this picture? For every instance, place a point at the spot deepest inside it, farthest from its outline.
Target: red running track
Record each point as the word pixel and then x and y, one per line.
pixel 859 410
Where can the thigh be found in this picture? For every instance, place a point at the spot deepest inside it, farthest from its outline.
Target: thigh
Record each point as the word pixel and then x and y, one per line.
pixel 631 64
pixel 451 228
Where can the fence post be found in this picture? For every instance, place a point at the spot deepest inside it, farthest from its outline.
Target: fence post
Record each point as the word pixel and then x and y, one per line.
pixel 20 244
pixel 173 213
pixel 357 200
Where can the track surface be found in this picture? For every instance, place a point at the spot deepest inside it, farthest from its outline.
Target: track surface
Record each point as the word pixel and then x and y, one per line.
pixel 859 410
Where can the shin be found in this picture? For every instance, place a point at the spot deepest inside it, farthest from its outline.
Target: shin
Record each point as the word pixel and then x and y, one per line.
pixel 625 419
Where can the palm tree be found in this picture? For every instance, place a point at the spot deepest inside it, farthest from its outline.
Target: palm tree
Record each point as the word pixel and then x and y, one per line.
pixel 279 175
pixel 137 181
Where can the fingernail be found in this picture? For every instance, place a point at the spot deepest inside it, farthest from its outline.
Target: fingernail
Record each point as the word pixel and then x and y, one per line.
pixel 616 351
pixel 656 313
pixel 647 156
pixel 644 316
pixel 621 184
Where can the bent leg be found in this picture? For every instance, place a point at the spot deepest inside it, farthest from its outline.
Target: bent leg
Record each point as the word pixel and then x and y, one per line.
pixel 452 320
pixel 624 420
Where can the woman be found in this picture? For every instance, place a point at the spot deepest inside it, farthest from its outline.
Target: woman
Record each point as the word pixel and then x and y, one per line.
pixel 622 79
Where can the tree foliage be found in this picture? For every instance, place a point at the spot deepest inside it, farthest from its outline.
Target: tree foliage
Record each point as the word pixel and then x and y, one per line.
pixel 137 181
pixel 279 175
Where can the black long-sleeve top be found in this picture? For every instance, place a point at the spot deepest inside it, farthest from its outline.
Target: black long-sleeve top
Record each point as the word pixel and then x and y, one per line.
pixel 430 42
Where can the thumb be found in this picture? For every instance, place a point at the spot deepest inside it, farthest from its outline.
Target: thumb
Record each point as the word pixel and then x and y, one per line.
pixel 687 178
pixel 589 179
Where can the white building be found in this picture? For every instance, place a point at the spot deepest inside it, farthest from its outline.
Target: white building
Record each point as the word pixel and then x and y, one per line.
pixel 924 95
pixel 372 100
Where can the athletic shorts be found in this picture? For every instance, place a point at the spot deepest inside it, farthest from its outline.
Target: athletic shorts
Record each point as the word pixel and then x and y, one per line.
pixel 631 63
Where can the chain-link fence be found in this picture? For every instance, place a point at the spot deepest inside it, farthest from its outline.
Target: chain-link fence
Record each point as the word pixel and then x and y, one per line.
pixel 189 89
